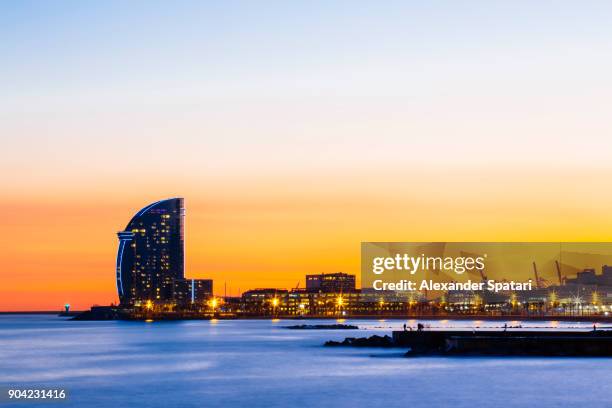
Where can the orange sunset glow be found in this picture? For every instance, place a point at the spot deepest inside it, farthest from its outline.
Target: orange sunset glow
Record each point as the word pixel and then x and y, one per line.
pixel 271 232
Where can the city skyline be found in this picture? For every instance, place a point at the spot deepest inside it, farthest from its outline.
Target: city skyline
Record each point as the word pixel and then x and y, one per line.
pixel 296 133
pixel 151 283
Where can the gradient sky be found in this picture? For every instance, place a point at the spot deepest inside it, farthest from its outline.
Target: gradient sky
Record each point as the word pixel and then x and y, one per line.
pixel 294 130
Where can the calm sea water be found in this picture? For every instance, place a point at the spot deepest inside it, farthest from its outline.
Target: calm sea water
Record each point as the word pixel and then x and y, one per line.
pixel 258 363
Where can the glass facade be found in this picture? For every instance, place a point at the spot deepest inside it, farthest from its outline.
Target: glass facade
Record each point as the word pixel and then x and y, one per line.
pixel 151 253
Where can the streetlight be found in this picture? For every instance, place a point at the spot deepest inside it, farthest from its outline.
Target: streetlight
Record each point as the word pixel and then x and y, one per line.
pixel 339 303
pixel 553 298
pixel 213 304
pixel 275 303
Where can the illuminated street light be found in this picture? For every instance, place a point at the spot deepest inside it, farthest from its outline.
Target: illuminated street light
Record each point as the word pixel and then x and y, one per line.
pixel 213 303
pixel 595 298
pixel 553 298
pixel 513 300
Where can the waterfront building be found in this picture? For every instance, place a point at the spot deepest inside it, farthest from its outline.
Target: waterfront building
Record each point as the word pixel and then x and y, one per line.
pixel 606 275
pixel 299 302
pixel 150 268
pixel 586 277
pixel 266 301
pixel 340 302
pixel 331 282
pixel 590 277
pixel 192 291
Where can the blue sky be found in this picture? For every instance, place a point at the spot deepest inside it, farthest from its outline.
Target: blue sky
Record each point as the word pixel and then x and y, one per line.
pixel 245 84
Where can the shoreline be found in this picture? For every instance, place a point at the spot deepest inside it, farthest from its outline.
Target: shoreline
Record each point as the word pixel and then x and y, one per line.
pixel 169 317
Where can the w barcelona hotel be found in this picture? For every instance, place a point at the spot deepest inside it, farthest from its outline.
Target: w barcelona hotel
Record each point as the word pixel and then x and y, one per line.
pixel 151 260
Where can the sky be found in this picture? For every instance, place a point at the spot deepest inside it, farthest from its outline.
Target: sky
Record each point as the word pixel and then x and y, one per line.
pixel 294 131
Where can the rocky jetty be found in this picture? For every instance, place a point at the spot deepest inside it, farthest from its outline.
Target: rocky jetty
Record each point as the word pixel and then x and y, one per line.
pixel 494 343
pixel 100 313
pixel 323 327
pixel 372 341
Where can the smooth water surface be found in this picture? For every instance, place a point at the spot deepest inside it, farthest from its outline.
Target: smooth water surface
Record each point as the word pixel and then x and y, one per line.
pixel 259 363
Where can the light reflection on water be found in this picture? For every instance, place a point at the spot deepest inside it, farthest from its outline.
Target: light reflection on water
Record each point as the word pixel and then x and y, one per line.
pixel 227 363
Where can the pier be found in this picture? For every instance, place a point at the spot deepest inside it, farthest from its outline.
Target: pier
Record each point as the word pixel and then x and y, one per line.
pixel 513 342
pixel 593 343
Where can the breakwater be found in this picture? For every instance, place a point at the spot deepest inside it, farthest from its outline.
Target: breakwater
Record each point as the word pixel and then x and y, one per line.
pixel 515 342
pixel 489 342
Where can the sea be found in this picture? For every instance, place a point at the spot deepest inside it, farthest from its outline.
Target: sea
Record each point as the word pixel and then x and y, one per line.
pixel 262 363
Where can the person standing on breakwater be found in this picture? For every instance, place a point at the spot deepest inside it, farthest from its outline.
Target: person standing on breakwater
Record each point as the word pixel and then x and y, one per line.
pixel 420 327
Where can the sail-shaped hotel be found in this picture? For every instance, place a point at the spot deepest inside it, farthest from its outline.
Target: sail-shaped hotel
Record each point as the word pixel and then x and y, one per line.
pixel 151 258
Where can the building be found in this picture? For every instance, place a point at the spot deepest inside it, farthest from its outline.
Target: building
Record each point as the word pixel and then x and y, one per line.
pixel 150 265
pixel 266 301
pixel 606 275
pixel 586 277
pixel 192 291
pixel 590 277
pixel 327 295
pixel 331 282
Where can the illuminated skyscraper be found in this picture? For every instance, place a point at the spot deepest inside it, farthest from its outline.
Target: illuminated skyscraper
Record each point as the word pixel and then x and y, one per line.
pixel 151 253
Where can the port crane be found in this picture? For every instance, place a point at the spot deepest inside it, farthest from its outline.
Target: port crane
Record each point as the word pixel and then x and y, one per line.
pixel 539 282
pixel 561 280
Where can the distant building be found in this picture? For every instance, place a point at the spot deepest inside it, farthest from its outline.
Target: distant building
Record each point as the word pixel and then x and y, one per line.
pixel 590 277
pixel 327 295
pixel 151 258
pixel 266 301
pixel 192 291
pixel 331 282
pixel 586 277
pixel 606 275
